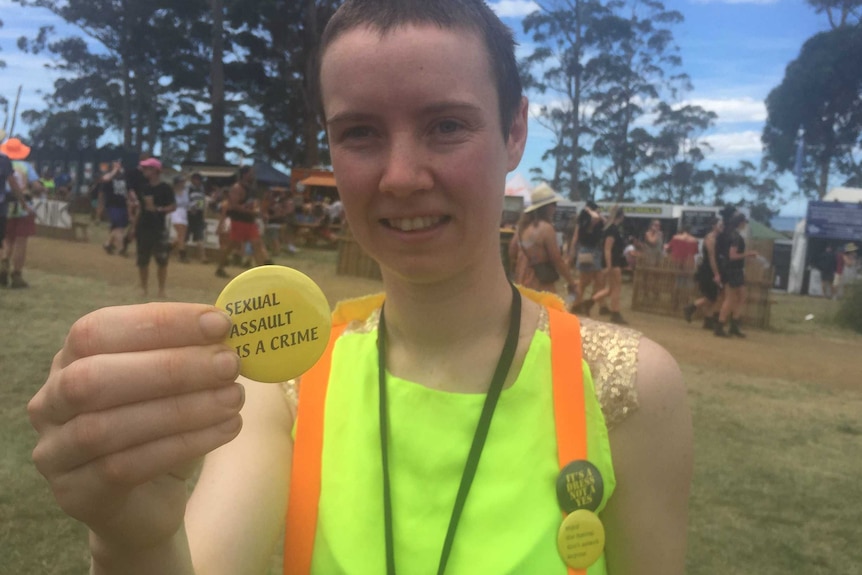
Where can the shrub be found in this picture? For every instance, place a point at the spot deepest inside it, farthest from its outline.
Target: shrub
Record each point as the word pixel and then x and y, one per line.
pixel 850 313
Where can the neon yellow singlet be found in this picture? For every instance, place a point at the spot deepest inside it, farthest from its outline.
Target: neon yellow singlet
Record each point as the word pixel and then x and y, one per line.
pixel 511 516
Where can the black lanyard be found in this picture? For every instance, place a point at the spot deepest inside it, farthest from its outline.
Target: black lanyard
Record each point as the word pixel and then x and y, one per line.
pixel 503 364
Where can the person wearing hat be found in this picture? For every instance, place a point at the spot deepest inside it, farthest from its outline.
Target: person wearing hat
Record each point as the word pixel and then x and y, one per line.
pixel 156 200
pixel 533 250
pixel 19 219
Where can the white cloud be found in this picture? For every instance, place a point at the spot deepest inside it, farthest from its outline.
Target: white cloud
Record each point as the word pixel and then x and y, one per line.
pixel 740 145
pixel 733 110
pixel 513 8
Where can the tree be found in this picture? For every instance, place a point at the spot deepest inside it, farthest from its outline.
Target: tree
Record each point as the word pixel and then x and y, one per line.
pixel 145 71
pixel 280 43
pixel 820 93
pixel 216 137
pixel 674 155
pixel 634 74
pixel 569 35
pixel 757 190
pixel 839 12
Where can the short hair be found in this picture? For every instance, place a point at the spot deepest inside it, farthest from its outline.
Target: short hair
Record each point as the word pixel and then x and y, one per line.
pixel 387 15
pixel 243 171
pixel 736 220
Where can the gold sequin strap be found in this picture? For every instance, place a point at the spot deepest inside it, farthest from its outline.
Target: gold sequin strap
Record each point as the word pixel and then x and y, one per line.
pixel 611 352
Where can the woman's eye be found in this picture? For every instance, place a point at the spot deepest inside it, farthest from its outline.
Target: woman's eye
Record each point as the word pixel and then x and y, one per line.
pixel 357 132
pixel 449 127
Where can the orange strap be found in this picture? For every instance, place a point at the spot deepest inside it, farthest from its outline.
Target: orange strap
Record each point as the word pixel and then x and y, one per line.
pixel 304 491
pixel 568 376
pixel 304 495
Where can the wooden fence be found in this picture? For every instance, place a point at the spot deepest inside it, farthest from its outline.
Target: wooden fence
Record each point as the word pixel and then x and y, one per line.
pixel 352 259
pixel 665 289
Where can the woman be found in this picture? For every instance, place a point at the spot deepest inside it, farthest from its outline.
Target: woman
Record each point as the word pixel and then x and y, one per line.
pixel 708 278
pixel 420 160
pixel 180 217
pixel 587 248
pixel 734 279
pixel 534 250
pixel 614 262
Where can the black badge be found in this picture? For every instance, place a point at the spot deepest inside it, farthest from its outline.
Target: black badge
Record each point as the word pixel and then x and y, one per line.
pixel 580 486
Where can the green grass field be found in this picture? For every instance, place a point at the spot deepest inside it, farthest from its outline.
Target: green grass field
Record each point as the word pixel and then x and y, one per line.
pixel 777 463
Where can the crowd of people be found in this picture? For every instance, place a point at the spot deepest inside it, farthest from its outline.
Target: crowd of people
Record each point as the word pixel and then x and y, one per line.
pixel 839 267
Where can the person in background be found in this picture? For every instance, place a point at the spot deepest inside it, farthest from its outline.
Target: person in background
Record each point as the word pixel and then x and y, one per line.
pixel 632 253
pixel 421 138
pixel 180 217
pixel 587 252
pixel 20 216
pixel 653 244
pixel 734 279
pixel 155 201
pixel 197 225
pixel 682 250
pixel 613 243
pixel 243 210
pixel 708 278
pixel 534 244
pixel 113 199
pixel 827 264
pixel 850 270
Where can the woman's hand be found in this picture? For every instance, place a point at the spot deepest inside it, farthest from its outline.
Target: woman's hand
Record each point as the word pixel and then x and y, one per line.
pixel 134 399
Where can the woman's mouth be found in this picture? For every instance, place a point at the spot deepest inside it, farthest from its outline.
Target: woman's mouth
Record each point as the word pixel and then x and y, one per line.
pixel 414 224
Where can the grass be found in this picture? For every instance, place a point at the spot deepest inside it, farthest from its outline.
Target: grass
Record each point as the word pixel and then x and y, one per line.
pixel 776 486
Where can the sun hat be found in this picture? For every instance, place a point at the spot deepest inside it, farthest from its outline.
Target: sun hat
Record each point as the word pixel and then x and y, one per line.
pixel 15 149
pixel 850 248
pixel 150 163
pixel 541 196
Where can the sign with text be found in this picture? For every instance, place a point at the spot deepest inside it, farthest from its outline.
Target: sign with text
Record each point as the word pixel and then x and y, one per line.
pixel 834 221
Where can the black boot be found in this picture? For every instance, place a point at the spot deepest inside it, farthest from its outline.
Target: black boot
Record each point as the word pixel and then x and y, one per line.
pixel 734 328
pixel 617 318
pixel 719 330
pixel 604 311
pixel 585 307
pixel 688 311
pixel 709 323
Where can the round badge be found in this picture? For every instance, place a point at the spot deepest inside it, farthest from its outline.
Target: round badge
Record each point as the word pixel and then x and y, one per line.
pixel 580 486
pixel 281 322
pixel 581 539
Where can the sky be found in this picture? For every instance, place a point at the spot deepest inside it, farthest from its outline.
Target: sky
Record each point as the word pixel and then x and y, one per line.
pixel 735 52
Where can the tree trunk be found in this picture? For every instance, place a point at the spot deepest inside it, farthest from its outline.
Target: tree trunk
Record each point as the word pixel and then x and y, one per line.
pixel 216 140
pixel 310 127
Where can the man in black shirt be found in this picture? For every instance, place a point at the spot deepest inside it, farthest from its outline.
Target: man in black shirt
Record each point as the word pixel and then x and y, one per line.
pixel 156 200
pixel 112 199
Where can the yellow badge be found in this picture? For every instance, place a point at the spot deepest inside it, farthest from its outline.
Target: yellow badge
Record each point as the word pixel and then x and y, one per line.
pixel 281 322
pixel 581 539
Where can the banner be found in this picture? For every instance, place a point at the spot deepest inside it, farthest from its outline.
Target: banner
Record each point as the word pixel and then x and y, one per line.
pixel 834 221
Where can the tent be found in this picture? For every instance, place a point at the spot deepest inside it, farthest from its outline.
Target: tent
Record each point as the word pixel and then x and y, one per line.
pixel 836 219
pixel 270 176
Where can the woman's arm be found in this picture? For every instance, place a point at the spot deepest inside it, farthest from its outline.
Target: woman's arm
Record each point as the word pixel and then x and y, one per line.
pixel 235 516
pixel 549 239
pixel 646 519
pixel 713 262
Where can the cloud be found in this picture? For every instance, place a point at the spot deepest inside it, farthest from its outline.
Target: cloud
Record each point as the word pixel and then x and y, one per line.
pixel 732 110
pixel 513 8
pixel 739 145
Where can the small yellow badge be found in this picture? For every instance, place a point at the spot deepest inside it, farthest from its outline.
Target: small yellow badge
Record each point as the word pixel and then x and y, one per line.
pixel 581 539
pixel 281 322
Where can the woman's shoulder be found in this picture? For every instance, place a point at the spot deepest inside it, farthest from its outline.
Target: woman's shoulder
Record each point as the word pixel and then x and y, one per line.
pixel 611 352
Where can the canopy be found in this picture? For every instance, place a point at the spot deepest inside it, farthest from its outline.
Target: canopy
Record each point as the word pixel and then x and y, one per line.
pixel 323 180
pixel 266 174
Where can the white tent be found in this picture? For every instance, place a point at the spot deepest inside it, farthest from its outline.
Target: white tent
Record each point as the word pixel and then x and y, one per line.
pixel 850 195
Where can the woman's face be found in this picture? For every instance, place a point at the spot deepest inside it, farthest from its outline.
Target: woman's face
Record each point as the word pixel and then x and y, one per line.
pixel 417 147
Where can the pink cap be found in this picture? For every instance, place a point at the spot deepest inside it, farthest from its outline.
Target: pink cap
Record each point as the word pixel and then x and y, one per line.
pixel 150 163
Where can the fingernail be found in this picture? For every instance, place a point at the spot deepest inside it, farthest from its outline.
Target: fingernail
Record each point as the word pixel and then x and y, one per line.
pixel 230 396
pixel 215 324
pixel 226 364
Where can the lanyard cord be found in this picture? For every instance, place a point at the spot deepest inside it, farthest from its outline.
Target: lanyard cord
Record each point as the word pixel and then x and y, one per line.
pixel 496 387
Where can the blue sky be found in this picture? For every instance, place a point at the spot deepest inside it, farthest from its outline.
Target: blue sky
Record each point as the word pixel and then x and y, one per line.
pixel 734 50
